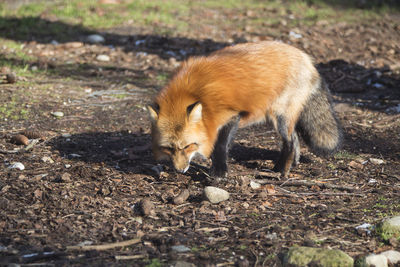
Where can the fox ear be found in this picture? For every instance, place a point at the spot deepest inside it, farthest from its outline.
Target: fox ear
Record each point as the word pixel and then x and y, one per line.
pixel 194 112
pixel 153 112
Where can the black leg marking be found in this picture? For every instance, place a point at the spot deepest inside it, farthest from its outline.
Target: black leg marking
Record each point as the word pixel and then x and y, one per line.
pixel 296 147
pixel 219 167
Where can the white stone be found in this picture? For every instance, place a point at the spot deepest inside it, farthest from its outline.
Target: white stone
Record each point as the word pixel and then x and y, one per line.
pixel 103 58
pixel 215 194
pixel 47 159
pixel 180 248
pixel 17 165
pixel 295 35
pixel 376 260
pixel 393 256
pixel 254 185
pixel 394 221
pixel 95 39
pixel 376 161
pixel 57 114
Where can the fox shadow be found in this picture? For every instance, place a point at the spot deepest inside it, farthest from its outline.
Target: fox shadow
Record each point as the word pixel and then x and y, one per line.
pixel 127 152
pixel 131 153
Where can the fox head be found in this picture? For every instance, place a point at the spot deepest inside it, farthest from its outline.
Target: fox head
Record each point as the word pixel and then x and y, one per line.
pixel 177 135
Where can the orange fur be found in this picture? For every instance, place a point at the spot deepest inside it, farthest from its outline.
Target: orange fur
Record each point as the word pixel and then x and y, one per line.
pixel 258 81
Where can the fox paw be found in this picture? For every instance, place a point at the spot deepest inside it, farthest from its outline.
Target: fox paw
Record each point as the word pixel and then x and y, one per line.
pixel 220 171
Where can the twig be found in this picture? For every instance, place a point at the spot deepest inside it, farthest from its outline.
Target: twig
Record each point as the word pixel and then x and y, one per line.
pixel 9 151
pixel 21 150
pixel 106 246
pixel 208 229
pixel 129 257
pixel 339 79
pixel 304 183
pixel 331 194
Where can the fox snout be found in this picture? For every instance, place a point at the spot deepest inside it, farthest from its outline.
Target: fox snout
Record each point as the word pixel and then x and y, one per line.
pixel 180 164
pixel 182 170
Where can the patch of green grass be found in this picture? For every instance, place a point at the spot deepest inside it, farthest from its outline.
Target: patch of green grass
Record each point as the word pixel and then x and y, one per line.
pixel 12 110
pixel 154 263
pixel 331 166
pixel 242 247
pixel 345 155
pixel 380 206
pixel 15 48
pixel 93 15
pixel 162 78
pixel 170 17
pixel 120 96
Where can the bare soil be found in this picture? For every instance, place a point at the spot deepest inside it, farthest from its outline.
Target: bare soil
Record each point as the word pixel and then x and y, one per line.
pixel 103 167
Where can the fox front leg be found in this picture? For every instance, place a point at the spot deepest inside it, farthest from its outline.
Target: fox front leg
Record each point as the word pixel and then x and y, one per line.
pixel 219 157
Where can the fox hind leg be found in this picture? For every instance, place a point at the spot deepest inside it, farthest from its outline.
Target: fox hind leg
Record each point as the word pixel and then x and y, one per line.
pixel 290 153
pixel 219 157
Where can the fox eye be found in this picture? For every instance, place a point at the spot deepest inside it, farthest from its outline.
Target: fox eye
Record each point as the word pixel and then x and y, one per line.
pixel 167 150
pixel 191 146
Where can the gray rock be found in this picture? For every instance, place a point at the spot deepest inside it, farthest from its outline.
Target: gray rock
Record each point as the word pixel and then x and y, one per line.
pixel 393 256
pixel 180 248
pixel 389 228
pixel 376 260
pixel 103 58
pixel 215 194
pixel 95 39
pixel 303 256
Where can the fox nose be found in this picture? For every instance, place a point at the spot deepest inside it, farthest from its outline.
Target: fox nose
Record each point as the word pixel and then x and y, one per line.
pixel 182 170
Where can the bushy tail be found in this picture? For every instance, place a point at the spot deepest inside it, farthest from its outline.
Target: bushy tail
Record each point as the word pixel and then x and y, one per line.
pixel 318 124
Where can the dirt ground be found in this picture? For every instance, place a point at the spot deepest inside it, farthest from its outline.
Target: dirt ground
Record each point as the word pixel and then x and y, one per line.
pixel 101 167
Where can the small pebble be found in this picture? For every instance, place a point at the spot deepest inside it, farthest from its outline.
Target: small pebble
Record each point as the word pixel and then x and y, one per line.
pixel 103 58
pixel 376 161
pixel 57 114
pixel 67 166
pixel 182 197
pixel 95 39
pixel 146 207
pixel 47 159
pixel 17 165
pixel 215 194
pixel 180 248
pixel 66 177
pixel 255 185
pixel 11 78
pixel 355 165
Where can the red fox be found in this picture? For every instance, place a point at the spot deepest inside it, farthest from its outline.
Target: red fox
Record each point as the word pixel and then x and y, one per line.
pixel 206 101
